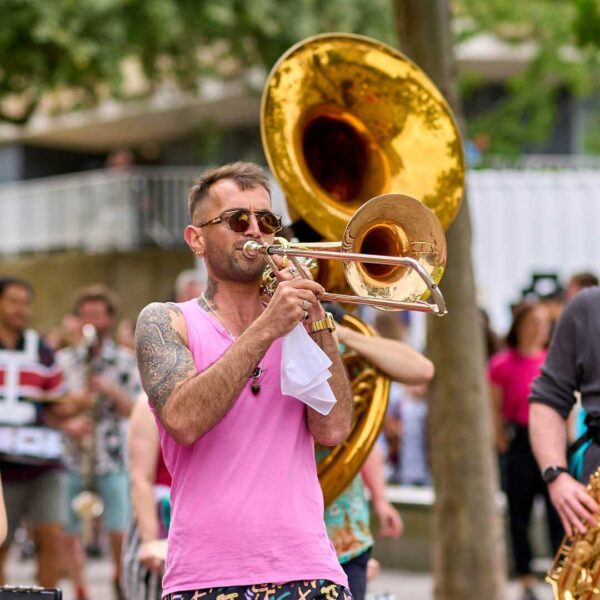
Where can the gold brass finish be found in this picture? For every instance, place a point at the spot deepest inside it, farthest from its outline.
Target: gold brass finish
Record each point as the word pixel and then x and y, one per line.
pixel 394 225
pixel 345 118
pixel 370 389
pixel 88 504
pixel 394 254
pixel 575 573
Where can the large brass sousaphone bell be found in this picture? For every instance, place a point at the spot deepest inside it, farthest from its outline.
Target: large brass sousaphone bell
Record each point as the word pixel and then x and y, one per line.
pixel 345 119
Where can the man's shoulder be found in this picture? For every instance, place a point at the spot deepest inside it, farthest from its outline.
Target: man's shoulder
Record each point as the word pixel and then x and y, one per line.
pixel 159 313
pixel 591 294
pixel 501 359
pixel 166 317
pixel 585 304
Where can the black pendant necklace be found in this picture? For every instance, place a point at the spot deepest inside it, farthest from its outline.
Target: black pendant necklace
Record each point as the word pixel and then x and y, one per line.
pixel 254 376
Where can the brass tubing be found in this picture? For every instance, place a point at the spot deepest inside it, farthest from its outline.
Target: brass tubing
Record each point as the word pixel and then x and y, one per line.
pixel 252 249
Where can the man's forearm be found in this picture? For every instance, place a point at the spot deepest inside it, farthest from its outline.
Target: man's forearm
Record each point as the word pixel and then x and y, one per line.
pixel 334 428
pixel 144 508
pixel 374 476
pixel 396 359
pixel 548 435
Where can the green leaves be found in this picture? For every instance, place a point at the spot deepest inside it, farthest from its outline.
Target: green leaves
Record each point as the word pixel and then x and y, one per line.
pixel 80 46
pixel 587 22
pixel 556 31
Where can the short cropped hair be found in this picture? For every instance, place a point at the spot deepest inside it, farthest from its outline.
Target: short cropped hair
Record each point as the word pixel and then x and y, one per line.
pixel 96 293
pixel 8 281
pixel 246 176
pixel 584 279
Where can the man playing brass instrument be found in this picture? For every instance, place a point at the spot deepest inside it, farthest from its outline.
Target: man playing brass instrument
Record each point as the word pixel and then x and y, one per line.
pixel 247 506
pixel 572 364
pixel 105 377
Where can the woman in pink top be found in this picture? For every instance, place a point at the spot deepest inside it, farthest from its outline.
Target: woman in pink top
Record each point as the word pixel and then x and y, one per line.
pixel 511 373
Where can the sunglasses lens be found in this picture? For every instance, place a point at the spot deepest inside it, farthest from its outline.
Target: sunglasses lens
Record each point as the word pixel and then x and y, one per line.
pixel 269 223
pixel 239 221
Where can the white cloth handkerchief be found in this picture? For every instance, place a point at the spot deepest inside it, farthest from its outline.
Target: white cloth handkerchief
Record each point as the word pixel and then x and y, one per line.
pixel 305 371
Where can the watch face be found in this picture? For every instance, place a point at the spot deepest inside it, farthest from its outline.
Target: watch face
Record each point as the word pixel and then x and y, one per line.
pixel 551 473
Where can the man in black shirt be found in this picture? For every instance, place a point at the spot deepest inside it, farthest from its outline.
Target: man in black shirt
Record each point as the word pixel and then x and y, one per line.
pixel 572 364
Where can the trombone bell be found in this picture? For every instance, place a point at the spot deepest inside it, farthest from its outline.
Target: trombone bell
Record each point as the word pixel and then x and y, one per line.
pixel 395 225
pixel 394 254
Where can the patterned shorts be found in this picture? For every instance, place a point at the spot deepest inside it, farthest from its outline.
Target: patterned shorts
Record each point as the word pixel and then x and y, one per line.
pixel 318 589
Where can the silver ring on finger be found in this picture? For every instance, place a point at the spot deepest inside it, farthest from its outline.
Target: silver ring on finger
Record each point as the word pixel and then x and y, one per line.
pixel 305 305
pixel 305 316
pixel 293 271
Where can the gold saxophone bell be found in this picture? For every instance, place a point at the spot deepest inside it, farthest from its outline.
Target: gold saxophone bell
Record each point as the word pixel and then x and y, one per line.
pixel 575 572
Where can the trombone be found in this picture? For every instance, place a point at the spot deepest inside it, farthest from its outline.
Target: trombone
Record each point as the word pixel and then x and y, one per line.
pixel 411 256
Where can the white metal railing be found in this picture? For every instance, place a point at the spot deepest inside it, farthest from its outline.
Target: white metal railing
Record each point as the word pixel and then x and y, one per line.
pixel 524 220
pixel 95 211
pixel 99 210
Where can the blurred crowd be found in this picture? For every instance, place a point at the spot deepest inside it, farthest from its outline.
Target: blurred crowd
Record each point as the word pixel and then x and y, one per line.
pixel 63 452
pixel 86 483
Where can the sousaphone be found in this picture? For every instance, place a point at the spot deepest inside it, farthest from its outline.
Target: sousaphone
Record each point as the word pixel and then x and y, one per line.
pixel 345 118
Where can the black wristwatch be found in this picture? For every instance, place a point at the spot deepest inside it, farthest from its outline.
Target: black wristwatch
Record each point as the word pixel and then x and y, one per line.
pixel 551 473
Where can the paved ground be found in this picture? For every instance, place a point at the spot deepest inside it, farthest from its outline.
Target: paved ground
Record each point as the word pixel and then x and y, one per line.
pixel 396 585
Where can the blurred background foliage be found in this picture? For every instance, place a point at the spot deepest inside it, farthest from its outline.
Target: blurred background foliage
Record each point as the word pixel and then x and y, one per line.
pixel 562 36
pixel 80 51
pixel 80 45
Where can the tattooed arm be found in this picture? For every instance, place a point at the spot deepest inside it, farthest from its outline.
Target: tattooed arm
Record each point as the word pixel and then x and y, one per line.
pixel 189 403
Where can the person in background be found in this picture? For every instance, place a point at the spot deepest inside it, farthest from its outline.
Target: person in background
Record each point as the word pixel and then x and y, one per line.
pixel 492 342
pixel 106 375
pixel 142 565
pixel 578 282
pixel 511 373
pixel 33 475
pixel 189 285
pixel 572 365
pixel 391 435
pixel 125 333
pixel 348 517
pixel 3 522
pixel 67 333
pixel 414 464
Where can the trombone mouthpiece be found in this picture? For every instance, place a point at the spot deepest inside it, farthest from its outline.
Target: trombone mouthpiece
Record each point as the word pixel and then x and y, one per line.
pixel 251 249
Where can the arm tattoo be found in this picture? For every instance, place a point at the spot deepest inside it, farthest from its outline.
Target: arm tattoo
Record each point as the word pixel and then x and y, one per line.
pixel 163 358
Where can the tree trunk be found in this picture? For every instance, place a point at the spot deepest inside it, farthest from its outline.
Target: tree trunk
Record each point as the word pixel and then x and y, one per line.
pixel 469 551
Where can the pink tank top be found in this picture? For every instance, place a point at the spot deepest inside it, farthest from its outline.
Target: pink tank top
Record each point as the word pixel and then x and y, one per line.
pixel 247 507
